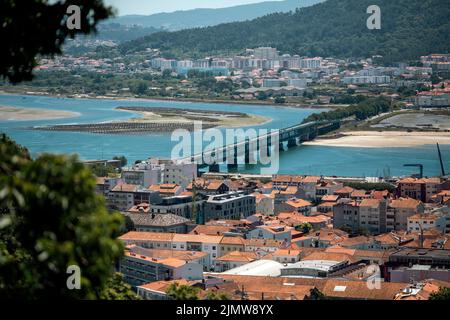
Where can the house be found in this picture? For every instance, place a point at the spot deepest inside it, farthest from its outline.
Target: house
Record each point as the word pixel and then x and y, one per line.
pixel 402 209
pixel 287 255
pixel 208 187
pixel 296 205
pixel 231 244
pixel 234 259
pixel 166 189
pixel 276 232
pixel 419 222
pixel 264 203
pixel 197 242
pixel 294 219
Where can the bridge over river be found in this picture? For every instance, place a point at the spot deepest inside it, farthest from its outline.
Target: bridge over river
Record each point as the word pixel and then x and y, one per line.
pixel 247 150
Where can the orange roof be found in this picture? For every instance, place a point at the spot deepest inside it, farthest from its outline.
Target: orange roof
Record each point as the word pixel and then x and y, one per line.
pixel 344 190
pixel 330 198
pixel 404 203
pixel 196 238
pixel 124 187
pixel 241 256
pixel 299 203
pixel 329 256
pixel 287 252
pixel 146 236
pixel 310 179
pixel 210 230
pixel 374 203
pixel 164 188
pixel 232 241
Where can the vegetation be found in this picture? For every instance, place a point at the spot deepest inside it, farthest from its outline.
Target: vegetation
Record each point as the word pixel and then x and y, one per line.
pixel 211 295
pixel 361 111
pixel 182 292
pixel 304 227
pixel 123 160
pixel 101 170
pixel 315 294
pixel 368 186
pixel 37 27
pixel 442 294
pixel 116 289
pixel 52 219
pixel 410 28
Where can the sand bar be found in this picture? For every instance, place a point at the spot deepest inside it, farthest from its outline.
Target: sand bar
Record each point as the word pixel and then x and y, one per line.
pixel 385 139
pixel 25 114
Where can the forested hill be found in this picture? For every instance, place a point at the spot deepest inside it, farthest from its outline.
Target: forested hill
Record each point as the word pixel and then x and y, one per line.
pixel 409 28
pixel 195 18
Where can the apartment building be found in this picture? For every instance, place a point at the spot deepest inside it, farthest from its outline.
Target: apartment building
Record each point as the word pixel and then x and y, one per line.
pixel 419 222
pixel 420 189
pixel 372 215
pixel 143 174
pixel 233 205
pixel 105 184
pixel 183 206
pixel 138 269
pixel 403 208
pixel 124 196
pixel 346 214
pixel 197 242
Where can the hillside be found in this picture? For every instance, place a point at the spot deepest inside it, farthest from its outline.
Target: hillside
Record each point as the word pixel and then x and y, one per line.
pixel 410 28
pixel 207 17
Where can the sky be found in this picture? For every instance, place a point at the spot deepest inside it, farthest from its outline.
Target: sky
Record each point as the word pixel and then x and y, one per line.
pixel 146 7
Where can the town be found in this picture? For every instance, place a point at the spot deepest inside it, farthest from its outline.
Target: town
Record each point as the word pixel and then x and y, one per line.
pixel 244 237
pixel 259 75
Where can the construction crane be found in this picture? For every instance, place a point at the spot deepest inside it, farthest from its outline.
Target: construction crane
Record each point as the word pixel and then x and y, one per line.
pixel 440 160
pixel 420 175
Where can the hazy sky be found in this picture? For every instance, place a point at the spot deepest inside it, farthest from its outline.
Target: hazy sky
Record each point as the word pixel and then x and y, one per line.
pixel 146 7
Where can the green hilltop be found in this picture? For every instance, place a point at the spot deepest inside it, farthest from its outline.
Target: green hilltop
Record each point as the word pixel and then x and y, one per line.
pixel 409 29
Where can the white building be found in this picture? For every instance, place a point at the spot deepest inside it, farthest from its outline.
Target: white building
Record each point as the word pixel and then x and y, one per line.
pixel 268 53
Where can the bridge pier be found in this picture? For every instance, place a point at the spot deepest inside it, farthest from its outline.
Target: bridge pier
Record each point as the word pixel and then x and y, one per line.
pixel 292 143
pixel 214 168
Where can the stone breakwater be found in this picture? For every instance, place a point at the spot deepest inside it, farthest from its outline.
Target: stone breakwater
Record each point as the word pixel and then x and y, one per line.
pixel 123 127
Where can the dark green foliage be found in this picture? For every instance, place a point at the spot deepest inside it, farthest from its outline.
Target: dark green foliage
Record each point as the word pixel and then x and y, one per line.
pixel 315 294
pixel 101 170
pixel 371 186
pixel 116 289
pixel 123 160
pixel 36 27
pixel 304 227
pixel 410 28
pixel 347 99
pixel 442 294
pixel 51 219
pixel 361 111
pixel 182 292
pixel 217 296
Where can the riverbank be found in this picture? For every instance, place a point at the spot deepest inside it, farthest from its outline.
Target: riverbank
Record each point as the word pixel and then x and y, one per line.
pixel 27 114
pixel 178 99
pixel 383 139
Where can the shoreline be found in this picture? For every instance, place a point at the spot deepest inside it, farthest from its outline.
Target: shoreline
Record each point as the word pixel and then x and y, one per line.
pixel 383 139
pixel 182 100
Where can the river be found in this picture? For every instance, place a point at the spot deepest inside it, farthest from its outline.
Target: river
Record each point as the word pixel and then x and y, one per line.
pixel 317 160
